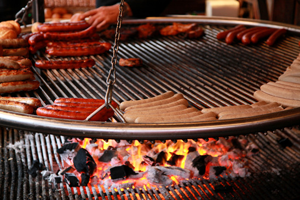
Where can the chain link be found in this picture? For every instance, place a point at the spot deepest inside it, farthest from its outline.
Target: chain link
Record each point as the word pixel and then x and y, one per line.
pixel 111 77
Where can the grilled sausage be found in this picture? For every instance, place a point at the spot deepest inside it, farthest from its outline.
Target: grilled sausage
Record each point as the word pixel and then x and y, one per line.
pixel 165 95
pixel 261 34
pixel 66 64
pixel 292 79
pixel 130 62
pixel 63 26
pixel 84 42
pixel 25 62
pixel 77 51
pixel 288 93
pixel 262 96
pixel 9 64
pixel 13 43
pixel 242 33
pixel 39 45
pixel 16 75
pixel 130 118
pixel 71 36
pixel 246 38
pixel 223 34
pixel 198 32
pixel 231 36
pixel 16 106
pixel 272 39
pixel 79 100
pixel 159 107
pixel 18 86
pixel 288 83
pixel 35 38
pixel 171 99
pixel 218 110
pixel 35 102
pixel 23 51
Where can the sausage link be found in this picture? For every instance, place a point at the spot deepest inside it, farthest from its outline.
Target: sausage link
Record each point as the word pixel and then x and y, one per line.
pixel 23 51
pixel 35 38
pixel 231 36
pixel 16 75
pixel 16 106
pixel 13 43
pixel 79 100
pixel 83 42
pixel 39 45
pixel 71 36
pixel 246 39
pixel 272 39
pixel 9 64
pixel 223 34
pixel 261 34
pixel 18 86
pixel 242 33
pixel 63 26
pixel 77 51
pixel 35 102
pixel 66 64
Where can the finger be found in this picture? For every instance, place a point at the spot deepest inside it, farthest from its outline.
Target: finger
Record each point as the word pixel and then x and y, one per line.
pixel 103 25
pixel 89 13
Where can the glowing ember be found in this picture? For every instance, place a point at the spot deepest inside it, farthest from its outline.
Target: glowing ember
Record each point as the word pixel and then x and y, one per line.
pixel 128 165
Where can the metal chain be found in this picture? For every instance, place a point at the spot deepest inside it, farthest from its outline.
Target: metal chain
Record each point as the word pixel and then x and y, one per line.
pixel 111 77
pixel 23 13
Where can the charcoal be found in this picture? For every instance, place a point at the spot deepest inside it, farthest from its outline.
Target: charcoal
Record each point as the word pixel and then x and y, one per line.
pixel 191 149
pixel 161 158
pixel 84 162
pixel 236 144
pixel 285 142
pixel 117 173
pixel 71 180
pixel 68 146
pixel 58 179
pixel 68 169
pixel 254 150
pixel 107 156
pixel 219 170
pixel 85 178
pixel 174 171
pixel 200 164
pixel 157 176
pixel 121 172
pixel 148 160
pixel 36 166
pixel 175 160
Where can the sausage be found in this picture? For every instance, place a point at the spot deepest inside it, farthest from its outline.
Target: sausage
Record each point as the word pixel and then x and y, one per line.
pixel 71 36
pixel 289 83
pixel 223 34
pixel 288 93
pixel 65 64
pixel 84 42
pixel 259 103
pixel 176 117
pixel 292 79
pixel 198 32
pixel 130 62
pixel 272 39
pixel 262 96
pixel 16 106
pixel 218 110
pixel 251 113
pixel 76 51
pixel 130 118
pixel 9 64
pixel 26 36
pixel 79 100
pixel 39 45
pixel 35 102
pixel 261 34
pixel 35 38
pixel 165 95
pixel 63 26
pixel 246 38
pixel 23 51
pixel 16 75
pixel 17 86
pixel 231 36
pixel 102 115
pixel 13 43
pixel 241 34
pixel 19 59
pixel 250 110
pixel 156 103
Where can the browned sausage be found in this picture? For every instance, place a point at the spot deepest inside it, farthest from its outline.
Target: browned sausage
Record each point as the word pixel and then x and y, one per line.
pixel 16 75
pixel 65 64
pixel 63 26
pixel 223 34
pixel 18 86
pixel 71 36
pixel 13 43
pixel 16 106
pixel 271 40
pixel 35 102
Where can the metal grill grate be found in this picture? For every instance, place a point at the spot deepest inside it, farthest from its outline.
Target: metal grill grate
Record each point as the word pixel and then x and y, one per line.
pixel 206 71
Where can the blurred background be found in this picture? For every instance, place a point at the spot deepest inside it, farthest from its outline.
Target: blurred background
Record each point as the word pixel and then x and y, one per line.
pixel 275 10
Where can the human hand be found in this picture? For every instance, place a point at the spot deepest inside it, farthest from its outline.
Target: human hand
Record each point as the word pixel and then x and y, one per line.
pixel 102 17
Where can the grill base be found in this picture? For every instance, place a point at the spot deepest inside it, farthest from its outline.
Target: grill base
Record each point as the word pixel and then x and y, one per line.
pixel 274 172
